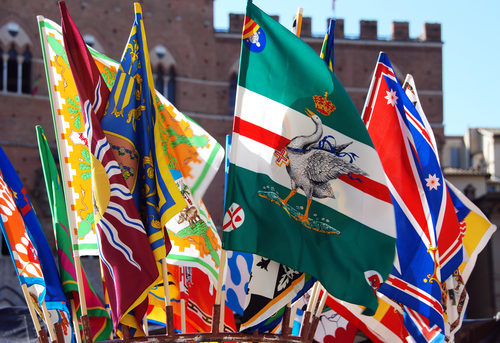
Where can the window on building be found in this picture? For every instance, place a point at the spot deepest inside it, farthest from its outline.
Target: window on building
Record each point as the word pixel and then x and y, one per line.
pixel 233 83
pixel 159 80
pixel 165 84
pixel 12 70
pixel 26 72
pixel 470 192
pixel 491 189
pixel 455 157
pixel 89 40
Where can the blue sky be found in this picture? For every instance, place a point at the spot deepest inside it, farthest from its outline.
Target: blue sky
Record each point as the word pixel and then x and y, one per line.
pixel 470 32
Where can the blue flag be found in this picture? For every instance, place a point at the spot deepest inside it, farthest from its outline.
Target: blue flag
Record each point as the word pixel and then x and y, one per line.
pixel 131 124
pixel 54 297
pixel 429 244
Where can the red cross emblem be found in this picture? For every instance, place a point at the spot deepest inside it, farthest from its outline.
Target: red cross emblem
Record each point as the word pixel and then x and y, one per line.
pixel 281 157
pixel 235 216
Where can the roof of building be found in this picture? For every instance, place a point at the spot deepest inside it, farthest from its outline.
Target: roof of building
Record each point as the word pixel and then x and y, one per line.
pixel 494 131
pixel 449 171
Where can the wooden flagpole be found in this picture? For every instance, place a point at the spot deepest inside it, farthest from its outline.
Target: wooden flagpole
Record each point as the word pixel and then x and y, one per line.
pixel 145 326
pixel 42 334
pixel 317 317
pixel 169 311
pixel 183 315
pixel 306 320
pixel 76 325
pixel 220 280
pixel 87 334
pixel 285 322
pixel 48 323
pixel 294 313
pixel 222 311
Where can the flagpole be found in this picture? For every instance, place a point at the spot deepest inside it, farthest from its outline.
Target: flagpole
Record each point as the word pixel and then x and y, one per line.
pixel 169 311
pixel 145 324
pixel 42 334
pixel 222 311
pixel 306 320
pixel 183 315
pixel 220 280
pixel 76 325
pixel 87 334
pixel 285 322
pixel 294 314
pixel 50 327
pixel 317 317
pixel 106 298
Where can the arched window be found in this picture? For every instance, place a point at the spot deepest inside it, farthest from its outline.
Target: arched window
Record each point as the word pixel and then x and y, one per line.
pixel 26 72
pixel 233 83
pixel 159 80
pixel 12 70
pixel 165 84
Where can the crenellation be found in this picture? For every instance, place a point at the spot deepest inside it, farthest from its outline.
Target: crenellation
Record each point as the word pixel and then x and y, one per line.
pixel 432 32
pixel 400 31
pixel 236 22
pixel 305 30
pixel 368 29
pixel 339 28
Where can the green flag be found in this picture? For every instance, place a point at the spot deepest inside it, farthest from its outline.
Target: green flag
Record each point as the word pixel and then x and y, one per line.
pixel 305 186
pixel 100 322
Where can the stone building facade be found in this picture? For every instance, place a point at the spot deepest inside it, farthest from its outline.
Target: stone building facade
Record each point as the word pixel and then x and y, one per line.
pixel 195 67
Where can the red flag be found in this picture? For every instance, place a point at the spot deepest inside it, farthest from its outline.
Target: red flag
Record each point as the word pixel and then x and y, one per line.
pixel 130 268
pixel 385 326
pixel 197 290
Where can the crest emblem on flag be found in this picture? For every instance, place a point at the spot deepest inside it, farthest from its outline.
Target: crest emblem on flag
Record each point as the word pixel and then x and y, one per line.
pixel 235 216
pixel 254 37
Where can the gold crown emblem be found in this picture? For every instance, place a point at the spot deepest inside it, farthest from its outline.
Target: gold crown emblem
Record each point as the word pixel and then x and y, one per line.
pixel 323 105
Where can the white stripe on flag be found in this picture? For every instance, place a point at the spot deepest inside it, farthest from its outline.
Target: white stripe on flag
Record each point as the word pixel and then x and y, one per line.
pixel 346 194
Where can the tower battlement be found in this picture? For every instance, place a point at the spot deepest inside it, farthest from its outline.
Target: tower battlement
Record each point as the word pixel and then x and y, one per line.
pixel 400 30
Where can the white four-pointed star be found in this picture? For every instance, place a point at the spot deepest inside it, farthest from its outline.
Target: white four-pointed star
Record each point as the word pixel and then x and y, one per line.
pixel 432 182
pixel 391 97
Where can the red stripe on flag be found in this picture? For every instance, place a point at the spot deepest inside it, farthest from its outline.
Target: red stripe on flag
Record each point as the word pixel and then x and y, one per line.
pixel 404 286
pixel 259 134
pixel 368 186
pixel 278 142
